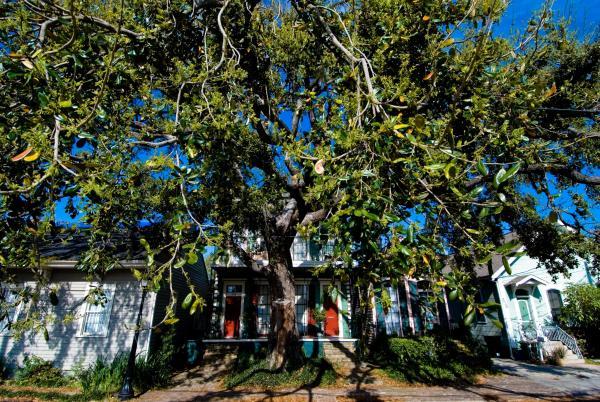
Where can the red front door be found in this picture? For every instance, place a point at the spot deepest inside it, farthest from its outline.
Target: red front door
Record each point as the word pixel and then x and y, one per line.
pixel 233 307
pixel 332 325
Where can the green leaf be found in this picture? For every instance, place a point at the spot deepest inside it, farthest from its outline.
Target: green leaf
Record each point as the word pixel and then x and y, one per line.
pixel 510 172
pixel 447 42
pixel 371 216
pixel 450 171
pixel 65 103
pixel 482 168
pixel 410 235
pixel 171 321
pixel 435 166
pixel 137 275
pixel 419 121
pixel 180 263
pixel 501 197
pixel 476 191
pixel 187 301
pixel 192 258
pixel 498 177
pixel 195 306
pixel 468 320
pixel 506 265
pixel 46 335
pixel 404 250
pixel 453 295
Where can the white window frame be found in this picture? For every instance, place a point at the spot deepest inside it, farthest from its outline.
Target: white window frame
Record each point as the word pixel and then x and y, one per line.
pixel 389 317
pixel 4 331
pixel 303 320
pixel 268 311
pixel 107 309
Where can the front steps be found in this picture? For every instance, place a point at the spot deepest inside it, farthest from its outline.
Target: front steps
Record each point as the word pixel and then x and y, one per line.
pixel 570 357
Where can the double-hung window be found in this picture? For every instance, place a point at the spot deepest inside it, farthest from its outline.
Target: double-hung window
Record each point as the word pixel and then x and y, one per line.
pixel 302 309
pixel 96 311
pixel 263 307
pixel 10 309
pixel 393 323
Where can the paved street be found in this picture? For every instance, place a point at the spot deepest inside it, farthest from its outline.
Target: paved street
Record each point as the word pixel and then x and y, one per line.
pixel 519 382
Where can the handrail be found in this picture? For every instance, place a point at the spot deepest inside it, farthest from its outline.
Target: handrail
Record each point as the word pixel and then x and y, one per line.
pixel 556 333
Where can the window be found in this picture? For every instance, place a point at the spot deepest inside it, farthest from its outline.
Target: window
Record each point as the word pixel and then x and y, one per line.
pixel 263 307
pixel 302 309
pixel 299 249
pixel 556 303
pixel 230 289
pixel 97 310
pixel 10 308
pixel 393 323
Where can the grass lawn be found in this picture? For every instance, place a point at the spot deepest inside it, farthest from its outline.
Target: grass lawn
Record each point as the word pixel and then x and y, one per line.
pixel 29 393
pixel 595 362
pixel 254 372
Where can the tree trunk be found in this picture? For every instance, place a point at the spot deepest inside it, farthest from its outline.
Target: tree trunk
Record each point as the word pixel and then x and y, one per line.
pixel 284 342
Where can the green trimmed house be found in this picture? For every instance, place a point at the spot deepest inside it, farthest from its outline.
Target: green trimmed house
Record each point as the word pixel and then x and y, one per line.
pixel 530 301
pixel 241 305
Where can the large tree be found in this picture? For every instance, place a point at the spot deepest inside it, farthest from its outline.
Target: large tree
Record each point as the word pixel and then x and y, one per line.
pixel 403 129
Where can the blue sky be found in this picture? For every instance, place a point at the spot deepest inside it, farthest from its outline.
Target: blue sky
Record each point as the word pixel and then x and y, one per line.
pixel 584 16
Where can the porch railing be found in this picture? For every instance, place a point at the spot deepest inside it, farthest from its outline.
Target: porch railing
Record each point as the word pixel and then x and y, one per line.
pixel 527 331
pixel 556 333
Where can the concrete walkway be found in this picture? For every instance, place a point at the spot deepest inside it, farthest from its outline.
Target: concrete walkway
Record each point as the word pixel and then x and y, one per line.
pixel 520 382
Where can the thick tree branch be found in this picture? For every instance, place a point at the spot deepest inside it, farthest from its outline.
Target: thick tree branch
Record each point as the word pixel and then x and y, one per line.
pixel 84 18
pixel 245 256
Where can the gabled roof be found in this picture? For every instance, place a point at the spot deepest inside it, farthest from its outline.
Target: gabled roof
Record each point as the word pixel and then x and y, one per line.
pixel 492 268
pixel 524 280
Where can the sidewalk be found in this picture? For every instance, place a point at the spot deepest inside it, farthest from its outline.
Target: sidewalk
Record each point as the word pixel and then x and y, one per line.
pixel 521 382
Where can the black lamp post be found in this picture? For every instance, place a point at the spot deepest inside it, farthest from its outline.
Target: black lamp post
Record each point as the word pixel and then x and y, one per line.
pixel 126 391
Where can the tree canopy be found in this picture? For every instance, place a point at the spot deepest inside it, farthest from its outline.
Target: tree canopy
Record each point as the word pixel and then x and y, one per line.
pixel 405 130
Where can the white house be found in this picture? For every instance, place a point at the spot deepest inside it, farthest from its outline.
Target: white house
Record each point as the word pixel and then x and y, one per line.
pixel 530 300
pixel 91 331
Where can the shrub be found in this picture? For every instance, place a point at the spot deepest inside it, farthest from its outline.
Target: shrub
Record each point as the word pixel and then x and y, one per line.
pixel 407 350
pixel 557 355
pixel 39 372
pixel 102 377
pixel 581 315
pixel 432 360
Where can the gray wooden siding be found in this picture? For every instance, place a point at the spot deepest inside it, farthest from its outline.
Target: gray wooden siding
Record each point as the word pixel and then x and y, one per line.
pixel 487 328
pixel 65 347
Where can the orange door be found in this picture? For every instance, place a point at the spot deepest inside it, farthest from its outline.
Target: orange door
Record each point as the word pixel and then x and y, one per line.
pixel 332 325
pixel 233 306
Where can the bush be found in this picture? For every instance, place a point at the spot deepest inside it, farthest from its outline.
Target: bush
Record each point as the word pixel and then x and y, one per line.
pixel 557 355
pixel 581 315
pixel 407 350
pixel 432 360
pixel 102 377
pixel 39 372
